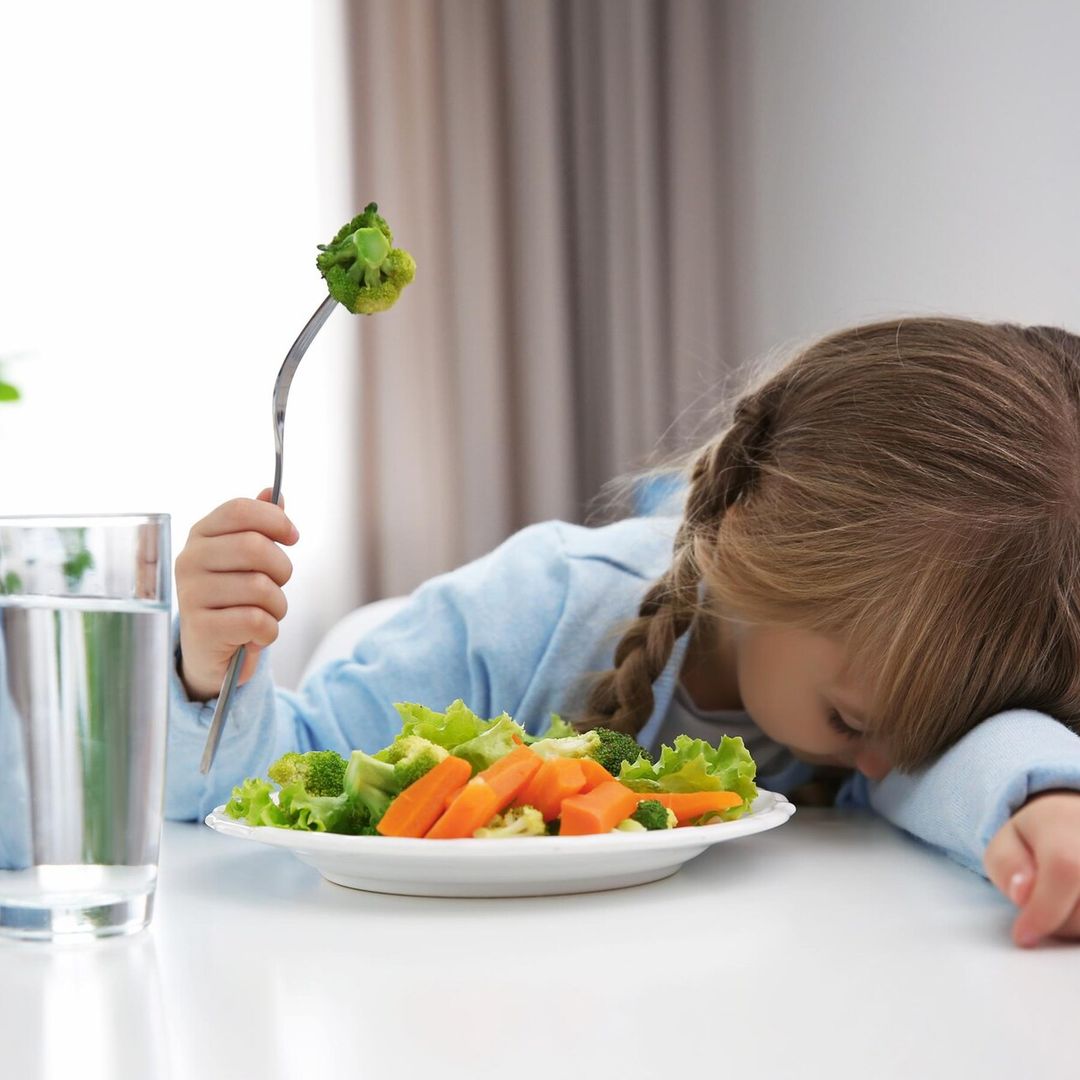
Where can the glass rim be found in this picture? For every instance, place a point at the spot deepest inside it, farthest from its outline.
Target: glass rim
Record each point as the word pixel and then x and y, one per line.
pixel 69 521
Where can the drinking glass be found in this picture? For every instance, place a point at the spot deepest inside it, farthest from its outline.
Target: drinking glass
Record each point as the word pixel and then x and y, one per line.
pixel 85 609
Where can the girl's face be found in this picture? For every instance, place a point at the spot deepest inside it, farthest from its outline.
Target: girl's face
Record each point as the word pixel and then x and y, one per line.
pixel 798 688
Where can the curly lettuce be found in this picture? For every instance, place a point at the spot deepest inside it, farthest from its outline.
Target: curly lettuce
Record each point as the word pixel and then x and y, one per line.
pixel 447 729
pixel 695 765
pixel 496 741
pixel 253 802
pixel 461 732
pixel 558 728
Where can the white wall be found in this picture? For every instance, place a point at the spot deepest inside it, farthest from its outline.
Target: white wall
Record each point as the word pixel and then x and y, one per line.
pixel 166 171
pixel 907 157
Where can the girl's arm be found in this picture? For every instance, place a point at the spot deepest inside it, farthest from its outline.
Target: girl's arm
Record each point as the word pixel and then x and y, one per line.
pixel 978 801
pixel 958 803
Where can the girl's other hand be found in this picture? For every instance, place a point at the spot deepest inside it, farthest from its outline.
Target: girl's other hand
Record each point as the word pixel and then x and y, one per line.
pixel 1035 861
pixel 228 586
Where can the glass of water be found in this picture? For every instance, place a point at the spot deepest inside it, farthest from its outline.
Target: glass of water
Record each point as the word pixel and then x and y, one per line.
pixel 85 610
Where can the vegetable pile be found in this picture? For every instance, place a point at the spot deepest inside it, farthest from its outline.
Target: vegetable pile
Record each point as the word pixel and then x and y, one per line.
pixel 452 775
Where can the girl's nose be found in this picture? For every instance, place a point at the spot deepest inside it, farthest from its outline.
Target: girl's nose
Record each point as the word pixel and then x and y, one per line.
pixel 873 764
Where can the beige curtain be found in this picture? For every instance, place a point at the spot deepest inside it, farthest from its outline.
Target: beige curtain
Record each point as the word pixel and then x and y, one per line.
pixel 558 169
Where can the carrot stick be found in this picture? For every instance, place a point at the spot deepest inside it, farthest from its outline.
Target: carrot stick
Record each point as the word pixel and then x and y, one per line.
pixel 597 811
pixel 418 807
pixel 595 773
pixel 510 774
pixel 555 780
pixel 471 809
pixel 488 793
pixel 688 805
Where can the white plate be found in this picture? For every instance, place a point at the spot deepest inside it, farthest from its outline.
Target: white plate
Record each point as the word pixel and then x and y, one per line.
pixel 526 866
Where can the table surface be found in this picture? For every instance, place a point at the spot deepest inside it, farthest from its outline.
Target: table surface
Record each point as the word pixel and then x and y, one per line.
pixel 832 946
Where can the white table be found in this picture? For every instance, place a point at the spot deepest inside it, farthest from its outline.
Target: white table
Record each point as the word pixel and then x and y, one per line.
pixel 830 947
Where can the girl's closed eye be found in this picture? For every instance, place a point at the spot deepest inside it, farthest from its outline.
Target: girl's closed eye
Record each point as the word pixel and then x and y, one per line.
pixel 837 723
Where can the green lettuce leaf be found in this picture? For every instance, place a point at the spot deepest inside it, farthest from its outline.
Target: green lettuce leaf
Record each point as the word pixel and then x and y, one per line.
pixel 251 802
pixel 320 813
pixel 490 745
pixel 457 725
pixel 557 729
pixel 695 765
pixel 480 742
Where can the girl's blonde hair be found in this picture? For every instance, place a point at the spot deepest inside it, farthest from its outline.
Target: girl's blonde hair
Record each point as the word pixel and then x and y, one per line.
pixel 910 488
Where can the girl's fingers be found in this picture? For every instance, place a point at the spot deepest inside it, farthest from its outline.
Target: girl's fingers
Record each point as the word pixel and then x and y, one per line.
pixel 1010 865
pixel 232 627
pixel 251 662
pixel 250 589
pixel 249 552
pixel 1053 899
pixel 248 515
pixel 264 496
pixel 229 578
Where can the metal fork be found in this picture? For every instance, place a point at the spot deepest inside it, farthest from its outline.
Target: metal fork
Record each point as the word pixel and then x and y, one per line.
pixel 281 398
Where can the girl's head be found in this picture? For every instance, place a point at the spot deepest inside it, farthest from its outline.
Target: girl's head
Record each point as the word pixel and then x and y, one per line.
pixel 906 497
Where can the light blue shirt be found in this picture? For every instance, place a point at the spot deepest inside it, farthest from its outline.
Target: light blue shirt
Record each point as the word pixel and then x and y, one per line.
pixel 521 630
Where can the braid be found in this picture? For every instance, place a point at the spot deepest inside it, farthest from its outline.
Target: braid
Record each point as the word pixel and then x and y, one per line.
pixel 723 474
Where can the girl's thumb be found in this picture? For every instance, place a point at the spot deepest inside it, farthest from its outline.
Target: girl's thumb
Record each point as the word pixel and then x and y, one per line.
pixel 264 496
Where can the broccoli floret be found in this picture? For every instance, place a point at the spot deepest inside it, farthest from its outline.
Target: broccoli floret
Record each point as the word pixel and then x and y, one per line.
pixel 651 815
pixel 372 782
pixel 630 825
pixel 517 821
pixel 412 756
pixel 588 744
pixel 362 268
pixel 369 783
pixel 321 772
pixel 617 747
pixel 286 769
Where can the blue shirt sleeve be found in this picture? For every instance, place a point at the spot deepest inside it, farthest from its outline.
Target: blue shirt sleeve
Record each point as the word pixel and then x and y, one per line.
pixel 959 802
pixel 478 633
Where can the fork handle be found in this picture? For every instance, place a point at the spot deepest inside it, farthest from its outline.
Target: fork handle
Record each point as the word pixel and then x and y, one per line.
pixel 232 673
pixel 281 397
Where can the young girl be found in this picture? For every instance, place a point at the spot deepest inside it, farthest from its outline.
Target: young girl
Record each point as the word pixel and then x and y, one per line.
pixel 877 568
